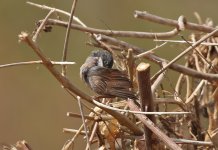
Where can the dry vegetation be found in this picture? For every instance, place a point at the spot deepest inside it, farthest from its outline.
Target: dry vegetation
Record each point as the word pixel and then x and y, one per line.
pixel 120 124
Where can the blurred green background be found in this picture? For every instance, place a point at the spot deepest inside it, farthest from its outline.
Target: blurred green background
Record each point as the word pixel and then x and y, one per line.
pixel 33 105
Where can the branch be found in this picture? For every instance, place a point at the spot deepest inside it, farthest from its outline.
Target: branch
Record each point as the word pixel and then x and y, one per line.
pixel 138 112
pixel 134 34
pixel 146 121
pixel 84 123
pixel 42 25
pixel 145 97
pixel 44 7
pixel 156 59
pixel 173 23
pixel 35 62
pixel 93 118
pixel 67 36
pixel 185 141
pixel 193 46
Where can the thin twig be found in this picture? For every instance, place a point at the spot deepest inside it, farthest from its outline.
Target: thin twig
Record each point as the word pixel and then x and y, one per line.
pixel 146 121
pixel 93 118
pixel 44 7
pixel 185 141
pixel 158 81
pixel 190 98
pixel 130 64
pixel 66 130
pixel 170 101
pixel 150 51
pixel 94 129
pixel 71 141
pixel 185 52
pixel 185 42
pixel 42 25
pixel 84 124
pixel 65 49
pixel 35 62
pixel 138 112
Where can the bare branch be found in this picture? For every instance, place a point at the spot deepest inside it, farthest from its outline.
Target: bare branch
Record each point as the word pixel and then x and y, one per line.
pixel 158 60
pixel 146 121
pixel 185 42
pixel 84 123
pixel 185 52
pixel 139 112
pixel 44 7
pixel 35 62
pixel 135 34
pixel 42 25
pixel 65 49
pixel 173 23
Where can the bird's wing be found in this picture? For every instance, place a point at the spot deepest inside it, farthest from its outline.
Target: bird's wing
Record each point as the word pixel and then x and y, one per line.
pixel 97 82
pixel 111 82
pixel 112 77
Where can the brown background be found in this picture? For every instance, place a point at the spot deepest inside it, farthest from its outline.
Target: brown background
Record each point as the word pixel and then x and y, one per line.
pixel 33 105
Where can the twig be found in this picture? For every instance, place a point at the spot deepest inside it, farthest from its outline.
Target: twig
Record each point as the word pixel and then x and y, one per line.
pixel 146 121
pixel 119 43
pixel 135 34
pixel 70 114
pixel 44 7
pixel 138 112
pixel 35 62
pixel 93 118
pixel 173 23
pixel 71 141
pixel 170 101
pixel 84 124
pixel 65 130
pixel 179 82
pixel 191 42
pixel 158 81
pixel 185 52
pixel 185 141
pixel 65 49
pixel 42 25
pixel 94 129
pixel 190 98
pixel 22 145
pixel 130 64
pixel 188 86
pixel 150 51
pixel 156 59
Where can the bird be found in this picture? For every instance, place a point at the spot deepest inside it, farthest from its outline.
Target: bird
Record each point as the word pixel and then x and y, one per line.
pixel 98 74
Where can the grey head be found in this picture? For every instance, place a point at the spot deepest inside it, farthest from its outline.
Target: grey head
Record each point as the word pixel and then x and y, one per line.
pixel 100 58
pixel 105 58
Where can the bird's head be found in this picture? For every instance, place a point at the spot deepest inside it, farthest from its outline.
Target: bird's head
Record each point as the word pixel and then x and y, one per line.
pixel 105 58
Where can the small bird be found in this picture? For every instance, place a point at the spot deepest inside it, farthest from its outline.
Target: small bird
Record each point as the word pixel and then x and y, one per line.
pixel 98 74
